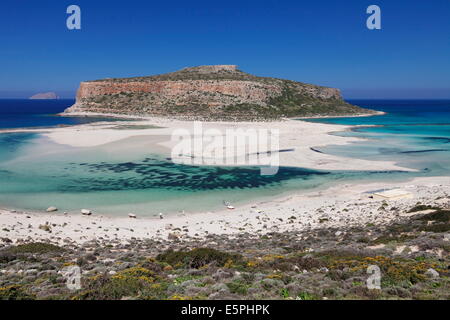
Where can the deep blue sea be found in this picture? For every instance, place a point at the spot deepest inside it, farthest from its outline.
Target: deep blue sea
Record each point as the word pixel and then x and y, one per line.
pixel 19 113
pixel 36 173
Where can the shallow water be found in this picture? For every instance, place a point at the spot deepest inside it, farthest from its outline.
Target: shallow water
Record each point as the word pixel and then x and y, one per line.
pixel 36 173
pixel 416 134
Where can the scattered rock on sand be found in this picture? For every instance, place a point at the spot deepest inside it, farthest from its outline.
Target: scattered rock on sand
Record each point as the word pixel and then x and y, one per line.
pixel 221 274
pixel 45 227
pixel 173 236
pixel 431 273
pixel 86 212
pixel 132 216
pixel 168 226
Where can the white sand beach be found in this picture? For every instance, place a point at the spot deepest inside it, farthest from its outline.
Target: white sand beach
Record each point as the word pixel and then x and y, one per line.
pixel 295 212
pixel 339 207
pixel 298 138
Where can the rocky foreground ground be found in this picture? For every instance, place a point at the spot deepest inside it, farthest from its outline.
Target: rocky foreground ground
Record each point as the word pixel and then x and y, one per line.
pixel 412 253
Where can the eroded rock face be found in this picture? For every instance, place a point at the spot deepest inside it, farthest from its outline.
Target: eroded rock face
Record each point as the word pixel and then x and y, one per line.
pixel 184 91
pixel 209 92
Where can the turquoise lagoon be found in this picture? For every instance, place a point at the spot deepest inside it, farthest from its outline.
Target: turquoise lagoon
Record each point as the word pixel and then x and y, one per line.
pixel 36 173
pixel 415 134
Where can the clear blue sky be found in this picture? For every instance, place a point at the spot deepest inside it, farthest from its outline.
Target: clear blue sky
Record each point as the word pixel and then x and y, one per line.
pixel 323 42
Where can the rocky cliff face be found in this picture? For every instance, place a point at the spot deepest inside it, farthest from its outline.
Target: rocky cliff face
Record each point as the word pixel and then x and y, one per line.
pixel 220 92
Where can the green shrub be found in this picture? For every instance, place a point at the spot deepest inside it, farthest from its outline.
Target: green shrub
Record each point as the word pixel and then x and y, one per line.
pixel 307 296
pixel 440 227
pixel 442 218
pixel 133 283
pixel 197 258
pixel 107 288
pixel 421 207
pixel 6 256
pixel 15 292
pixel 284 293
pixel 35 247
pixel 438 215
pixel 238 287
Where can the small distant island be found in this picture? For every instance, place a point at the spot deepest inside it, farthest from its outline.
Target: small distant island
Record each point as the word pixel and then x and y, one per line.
pixel 44 96
pixel 217 92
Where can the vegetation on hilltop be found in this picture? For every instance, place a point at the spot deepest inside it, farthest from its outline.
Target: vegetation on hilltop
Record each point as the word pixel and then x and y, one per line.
pixel 212 93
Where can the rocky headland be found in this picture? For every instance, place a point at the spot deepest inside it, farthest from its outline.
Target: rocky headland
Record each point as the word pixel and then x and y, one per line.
pixel 219 92
pixel 45 96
